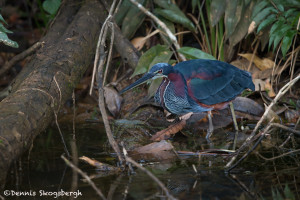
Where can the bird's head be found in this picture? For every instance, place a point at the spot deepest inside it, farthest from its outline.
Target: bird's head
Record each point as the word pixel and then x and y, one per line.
pixel 158 70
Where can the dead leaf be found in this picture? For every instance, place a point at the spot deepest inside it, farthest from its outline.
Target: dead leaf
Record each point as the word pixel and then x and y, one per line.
pixel 262 64
pixel 264 86
pixel 251 28
pixel 113 100
pixel 139 42
pixel 243 64
pixel 162 150
pixel 99 165
pixel 249 106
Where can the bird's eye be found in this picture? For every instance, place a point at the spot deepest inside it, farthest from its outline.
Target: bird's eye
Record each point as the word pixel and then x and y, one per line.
pixel 159 71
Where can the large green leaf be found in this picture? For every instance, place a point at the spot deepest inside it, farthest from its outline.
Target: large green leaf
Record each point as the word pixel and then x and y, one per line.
pixel 170 25
pixel 51 6
pixel 153 86
pixel 243 25
pixel 167 4
pixel 233 13
pixel 7 41
pixel 133 19
pixel 176 17
pixel 123 10
pixel 287 41
pixel 193 53
pixel 156 54
pixel 217 9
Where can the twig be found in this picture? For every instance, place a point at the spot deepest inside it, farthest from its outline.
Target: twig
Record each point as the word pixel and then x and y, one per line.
pixel 250 150
pixel 61 135
pixel 162 25
pixel 110 50
pixel 56 121
pixel 286 128
pixel 20 57
pixel 281 92
pixel 99 66
pixel 163 187
pixel 70 164
pixel 280 156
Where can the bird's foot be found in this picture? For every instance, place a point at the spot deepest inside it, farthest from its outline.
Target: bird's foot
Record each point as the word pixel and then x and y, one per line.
pixel 168 132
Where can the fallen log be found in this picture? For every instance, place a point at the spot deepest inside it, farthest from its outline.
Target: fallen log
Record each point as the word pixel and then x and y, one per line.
pixel 49 78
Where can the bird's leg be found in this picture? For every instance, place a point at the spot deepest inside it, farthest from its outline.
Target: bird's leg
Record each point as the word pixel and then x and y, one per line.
pixel 235 124
pixel 210 126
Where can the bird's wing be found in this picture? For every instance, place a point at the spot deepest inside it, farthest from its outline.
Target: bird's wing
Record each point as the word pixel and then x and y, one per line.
pixel 211 82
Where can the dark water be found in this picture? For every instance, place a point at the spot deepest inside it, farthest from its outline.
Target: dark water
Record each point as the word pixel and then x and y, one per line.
pixel 42 170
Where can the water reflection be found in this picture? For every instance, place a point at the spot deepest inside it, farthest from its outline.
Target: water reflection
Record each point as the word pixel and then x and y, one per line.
pixel 43 169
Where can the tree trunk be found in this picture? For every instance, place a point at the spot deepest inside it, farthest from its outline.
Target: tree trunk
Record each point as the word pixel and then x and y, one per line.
pixel 49 78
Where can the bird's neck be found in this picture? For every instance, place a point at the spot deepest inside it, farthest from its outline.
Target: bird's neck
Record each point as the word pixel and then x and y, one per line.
pixel 179 83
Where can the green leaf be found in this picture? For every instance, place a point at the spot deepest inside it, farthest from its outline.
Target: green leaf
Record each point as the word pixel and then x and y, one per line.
pixel 7 41
pixel 3 29
pixel 259 6
pixel 51 6
pixel 170 25
pixel 289 12
pixel 123 10
pixel 263 14
pixel 133 19
pixel 266 22
pixel 273 30
pixel 194 4
pixel 217 9
pixel 280 33
pixel 193 53
pixel 233 14
pixel 156 54
pixel 167 4
pixel 176 17
pixel 287 41
pixel 280 7
pixel 288 194
pixel 2 19
pixel 153 86
pixel 242 27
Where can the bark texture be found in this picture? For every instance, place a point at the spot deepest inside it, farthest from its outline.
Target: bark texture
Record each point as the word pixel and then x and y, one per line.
pixel 48 80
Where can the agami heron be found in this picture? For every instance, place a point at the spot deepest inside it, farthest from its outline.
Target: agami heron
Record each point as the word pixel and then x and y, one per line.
pixel 196 86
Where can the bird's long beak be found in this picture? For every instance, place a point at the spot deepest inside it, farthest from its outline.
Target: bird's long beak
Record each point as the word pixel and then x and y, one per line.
pixel 140 81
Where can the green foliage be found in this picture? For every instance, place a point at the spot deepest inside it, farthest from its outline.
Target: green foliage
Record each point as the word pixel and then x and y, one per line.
pixel 176 17
pixel 171 12
pixel 3 35
pixel 130 17
pixel 156 54
pixel 287 194
pixel 51 6
pixel 193 53
pixel 236 17
pixel 280 18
